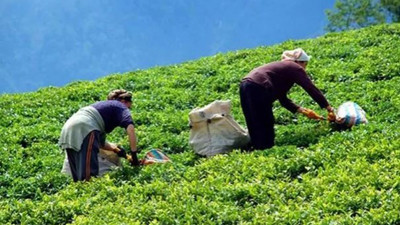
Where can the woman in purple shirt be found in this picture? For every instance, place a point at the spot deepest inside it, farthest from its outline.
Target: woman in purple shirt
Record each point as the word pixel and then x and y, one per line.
pixel 84 133
pixel 270 82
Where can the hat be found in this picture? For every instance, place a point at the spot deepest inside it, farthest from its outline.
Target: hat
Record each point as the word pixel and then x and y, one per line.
pixel 295 55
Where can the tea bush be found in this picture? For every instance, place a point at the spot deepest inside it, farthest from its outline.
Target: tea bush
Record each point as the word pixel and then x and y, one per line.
pixel 314 175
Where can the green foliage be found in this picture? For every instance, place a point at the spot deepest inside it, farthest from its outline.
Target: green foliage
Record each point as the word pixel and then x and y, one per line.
pixel 393 7
pixel 353 14
pixel 314 174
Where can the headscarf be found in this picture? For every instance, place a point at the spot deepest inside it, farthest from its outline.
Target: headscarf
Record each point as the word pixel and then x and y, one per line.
pixel 295 55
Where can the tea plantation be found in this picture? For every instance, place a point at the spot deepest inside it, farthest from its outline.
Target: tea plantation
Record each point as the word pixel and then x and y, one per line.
pixel 314 175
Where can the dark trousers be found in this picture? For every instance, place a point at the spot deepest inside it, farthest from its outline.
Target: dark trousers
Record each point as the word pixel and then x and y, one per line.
pixel 256 102
pixel 84 163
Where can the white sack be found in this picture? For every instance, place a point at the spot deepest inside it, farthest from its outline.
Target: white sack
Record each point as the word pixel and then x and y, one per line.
pixel 214 131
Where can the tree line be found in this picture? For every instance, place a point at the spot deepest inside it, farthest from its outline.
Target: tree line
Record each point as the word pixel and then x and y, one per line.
pixel 353 14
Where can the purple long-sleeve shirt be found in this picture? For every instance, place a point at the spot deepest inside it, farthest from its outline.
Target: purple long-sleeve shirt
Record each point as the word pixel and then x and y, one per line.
pixel 279 77
pixel 114 114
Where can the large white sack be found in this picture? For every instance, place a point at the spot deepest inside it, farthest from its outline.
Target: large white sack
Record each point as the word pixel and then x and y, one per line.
pixel 214 131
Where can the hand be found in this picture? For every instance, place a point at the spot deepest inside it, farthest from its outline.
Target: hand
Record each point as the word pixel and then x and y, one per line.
pixel 121 152
pixel 134 159
pixel 331 114
pixel 310 114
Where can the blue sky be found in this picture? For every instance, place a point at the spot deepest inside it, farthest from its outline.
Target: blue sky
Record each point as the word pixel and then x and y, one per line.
pixel 52 43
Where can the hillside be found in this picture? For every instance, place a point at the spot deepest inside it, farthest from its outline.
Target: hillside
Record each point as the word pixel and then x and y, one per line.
pixel 314 174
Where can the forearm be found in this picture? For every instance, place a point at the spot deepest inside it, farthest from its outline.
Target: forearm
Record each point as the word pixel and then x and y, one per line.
pixel 300 110
pixel 288 104
pixel 329 108
pixel 132 141
pixel 316 94
pixel 132 137
pixel 109 146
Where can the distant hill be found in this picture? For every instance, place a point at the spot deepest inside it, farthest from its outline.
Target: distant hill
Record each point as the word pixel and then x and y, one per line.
pixel 314 174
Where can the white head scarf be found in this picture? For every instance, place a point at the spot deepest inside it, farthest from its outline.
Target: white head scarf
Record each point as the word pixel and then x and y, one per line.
pixel 295 55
